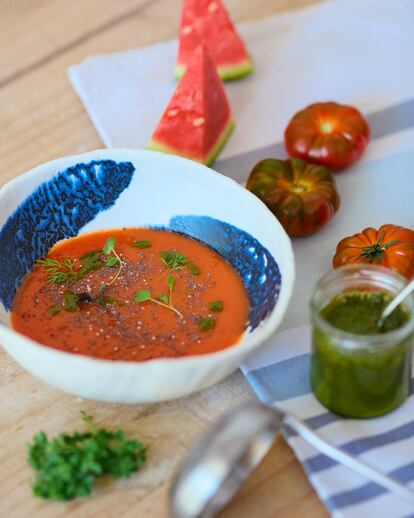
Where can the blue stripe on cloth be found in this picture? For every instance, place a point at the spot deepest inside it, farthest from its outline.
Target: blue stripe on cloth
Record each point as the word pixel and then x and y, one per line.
pixel 284 380
pixel 370 490
pixel 320 420
pixel 356 447
pixel 384 122
pixel 392 119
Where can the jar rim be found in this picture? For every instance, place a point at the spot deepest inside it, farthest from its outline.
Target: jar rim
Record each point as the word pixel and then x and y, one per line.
pixel 354 340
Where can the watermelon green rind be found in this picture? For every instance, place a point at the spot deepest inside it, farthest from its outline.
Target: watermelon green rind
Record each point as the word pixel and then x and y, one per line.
pixel 231 73
pixel 155 146
pixel 226 73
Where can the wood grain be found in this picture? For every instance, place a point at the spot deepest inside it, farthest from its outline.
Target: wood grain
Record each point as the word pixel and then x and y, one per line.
pixel 41 118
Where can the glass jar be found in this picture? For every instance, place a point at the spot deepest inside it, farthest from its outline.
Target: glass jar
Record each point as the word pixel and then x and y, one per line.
pixel 360 375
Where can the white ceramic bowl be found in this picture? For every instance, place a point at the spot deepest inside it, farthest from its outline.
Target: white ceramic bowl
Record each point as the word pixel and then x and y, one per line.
pixel 131 188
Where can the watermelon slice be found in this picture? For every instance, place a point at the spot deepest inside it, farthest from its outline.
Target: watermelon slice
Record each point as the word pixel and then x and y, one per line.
pixel 208 20
pixel 197 120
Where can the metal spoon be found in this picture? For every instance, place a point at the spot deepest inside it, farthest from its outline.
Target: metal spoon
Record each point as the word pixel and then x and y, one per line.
pixel 396 301
pixel 225 456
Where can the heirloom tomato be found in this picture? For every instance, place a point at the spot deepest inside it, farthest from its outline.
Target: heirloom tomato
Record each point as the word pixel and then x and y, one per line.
pixel 302 196
pixel 329 134
pixel 391 246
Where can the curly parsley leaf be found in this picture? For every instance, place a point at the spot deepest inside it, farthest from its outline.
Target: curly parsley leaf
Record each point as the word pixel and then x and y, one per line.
pixel 54 310
pixel 67 465
pixel 143 243
pixel 206 324
pixel 70 301
pixel 90 262
pixel 173 260
pixel 216 306
pixel 193 269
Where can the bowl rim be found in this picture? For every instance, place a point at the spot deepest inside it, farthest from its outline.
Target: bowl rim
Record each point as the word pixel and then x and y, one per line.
pixel 241 348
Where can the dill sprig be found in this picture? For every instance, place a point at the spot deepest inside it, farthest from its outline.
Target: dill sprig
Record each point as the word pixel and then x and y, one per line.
pixel 63 272
pixel 59 272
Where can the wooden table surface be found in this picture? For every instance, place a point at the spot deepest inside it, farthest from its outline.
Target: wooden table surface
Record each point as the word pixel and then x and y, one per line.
pixel 41 118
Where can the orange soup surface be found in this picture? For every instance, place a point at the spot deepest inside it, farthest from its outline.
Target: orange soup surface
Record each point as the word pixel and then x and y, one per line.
pixel 132 294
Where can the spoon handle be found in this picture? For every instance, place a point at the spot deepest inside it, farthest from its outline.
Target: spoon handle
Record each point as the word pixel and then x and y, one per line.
pixel 397 301
pixel 348 460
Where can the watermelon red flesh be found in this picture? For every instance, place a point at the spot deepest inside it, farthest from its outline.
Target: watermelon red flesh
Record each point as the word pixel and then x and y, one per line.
pixel 197 119
pixel 208 20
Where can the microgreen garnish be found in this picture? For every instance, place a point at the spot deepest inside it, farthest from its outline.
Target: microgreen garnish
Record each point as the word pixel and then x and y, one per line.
pixel 54 310
pixel 67 465
pixel 108 247
pixel 59 272
pixel 112 260
pixel 170 283
pixel 161 299
pixel 206 324
pixel 142 296
pixel 173 260
pixel 143 243
pixel 216 306
pixel 193 269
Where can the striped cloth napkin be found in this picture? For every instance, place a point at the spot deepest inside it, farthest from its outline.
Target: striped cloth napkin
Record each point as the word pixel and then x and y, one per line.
pixel 379 189
pixel 352 51
pixel 279 374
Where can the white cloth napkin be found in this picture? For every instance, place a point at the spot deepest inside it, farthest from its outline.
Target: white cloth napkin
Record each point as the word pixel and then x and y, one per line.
pixel 354 51
pixel 351 51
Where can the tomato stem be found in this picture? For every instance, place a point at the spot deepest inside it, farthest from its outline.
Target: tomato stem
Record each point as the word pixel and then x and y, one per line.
pixel 326 127
pixel 375 253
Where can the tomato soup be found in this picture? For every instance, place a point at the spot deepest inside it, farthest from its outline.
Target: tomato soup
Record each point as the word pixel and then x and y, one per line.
pixel 132 294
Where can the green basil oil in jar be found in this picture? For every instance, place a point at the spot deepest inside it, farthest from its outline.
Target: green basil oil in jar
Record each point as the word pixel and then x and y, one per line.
pixel 359 368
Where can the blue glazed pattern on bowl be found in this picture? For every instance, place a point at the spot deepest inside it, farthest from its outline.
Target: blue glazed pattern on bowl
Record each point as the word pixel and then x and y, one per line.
pixel 57 209
pixel 253 262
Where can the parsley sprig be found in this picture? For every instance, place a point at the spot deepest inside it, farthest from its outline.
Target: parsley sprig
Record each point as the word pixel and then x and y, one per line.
pixel 73 301
pixel 142 243
pixel 173 260
pixel 161 299
pixel 67 465
pixel 178 261
pixel 206 324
